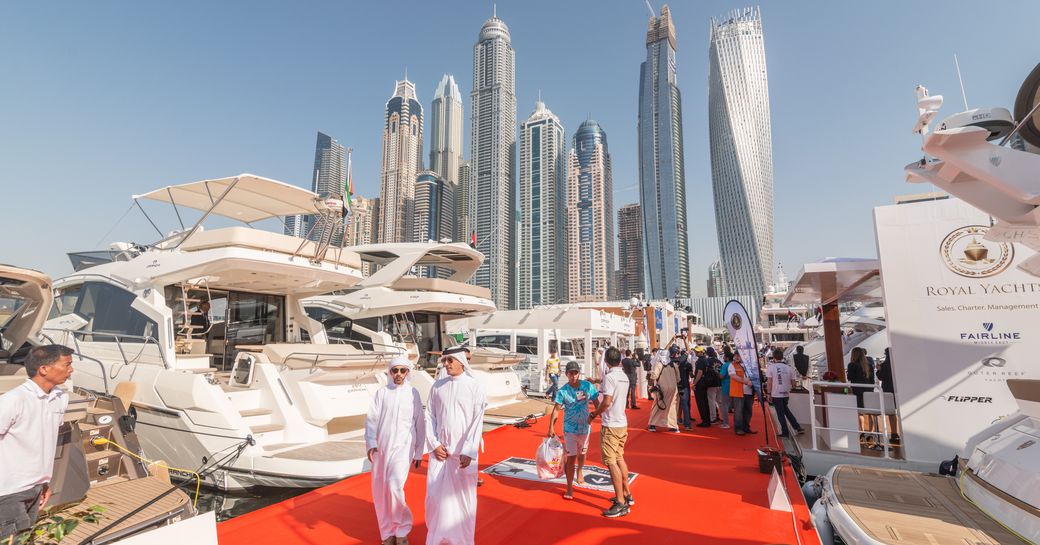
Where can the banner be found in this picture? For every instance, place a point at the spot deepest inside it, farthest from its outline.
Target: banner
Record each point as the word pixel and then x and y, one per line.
pixel 593 477
pixel 961 322
pixel 742 333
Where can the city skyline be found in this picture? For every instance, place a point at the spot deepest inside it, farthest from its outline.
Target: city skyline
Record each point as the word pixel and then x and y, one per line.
pixel 741 152
pixel 151 89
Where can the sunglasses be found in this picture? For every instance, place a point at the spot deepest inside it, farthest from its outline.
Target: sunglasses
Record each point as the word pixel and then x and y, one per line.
pixel 399 371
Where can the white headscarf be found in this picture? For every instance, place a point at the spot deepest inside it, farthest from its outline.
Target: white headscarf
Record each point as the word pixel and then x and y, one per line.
pixel 399 361
pixel 457 352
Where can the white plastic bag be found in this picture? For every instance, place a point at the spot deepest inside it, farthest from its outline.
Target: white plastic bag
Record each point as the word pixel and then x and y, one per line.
pixel 549 459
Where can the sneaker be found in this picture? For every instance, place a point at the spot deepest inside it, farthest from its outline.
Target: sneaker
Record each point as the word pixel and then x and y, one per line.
pixel 616 510
pixel 630 500
pixel 651 428
pixel 704 425
pixel 673 430
pixel 739 432
pixel 800 431
pixel 751 431
pixel 724 426
pixel 785 435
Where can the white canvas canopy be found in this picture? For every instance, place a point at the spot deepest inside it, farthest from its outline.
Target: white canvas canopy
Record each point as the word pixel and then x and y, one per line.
pixel 247 198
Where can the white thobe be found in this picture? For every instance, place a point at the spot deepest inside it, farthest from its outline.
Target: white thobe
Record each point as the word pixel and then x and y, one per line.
pixel 454 415
pixel 395 425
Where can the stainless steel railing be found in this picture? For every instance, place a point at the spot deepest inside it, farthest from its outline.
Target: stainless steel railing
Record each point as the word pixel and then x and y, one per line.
pixel 815 428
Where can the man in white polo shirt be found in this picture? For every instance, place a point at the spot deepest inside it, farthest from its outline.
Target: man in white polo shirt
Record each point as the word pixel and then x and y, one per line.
pixel 29 419
pixel 614 432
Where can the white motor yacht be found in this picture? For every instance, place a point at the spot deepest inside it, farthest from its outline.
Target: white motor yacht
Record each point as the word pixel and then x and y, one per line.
pixel 396 308
pixel 95 463
pixel 232 374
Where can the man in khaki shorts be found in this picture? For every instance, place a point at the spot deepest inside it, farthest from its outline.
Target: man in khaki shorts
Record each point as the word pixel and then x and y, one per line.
pixel 614 433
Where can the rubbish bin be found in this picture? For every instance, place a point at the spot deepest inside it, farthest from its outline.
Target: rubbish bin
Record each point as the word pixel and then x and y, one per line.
pixel 769 459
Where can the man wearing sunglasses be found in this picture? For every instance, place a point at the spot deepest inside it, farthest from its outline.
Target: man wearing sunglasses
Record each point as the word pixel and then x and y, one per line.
pixel 454 422
pixel 573 399
pixel 394 433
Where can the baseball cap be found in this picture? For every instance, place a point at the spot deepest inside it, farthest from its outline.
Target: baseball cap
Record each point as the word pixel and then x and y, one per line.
pixel 698 349
pixel 573 366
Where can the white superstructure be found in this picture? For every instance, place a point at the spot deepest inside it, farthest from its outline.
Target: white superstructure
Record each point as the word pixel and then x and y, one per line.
pixel 236 385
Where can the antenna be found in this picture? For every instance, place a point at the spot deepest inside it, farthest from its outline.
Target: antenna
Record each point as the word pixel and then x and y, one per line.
pixel 539 95
pixel 650 8
pixel 960 79
pixel 494 11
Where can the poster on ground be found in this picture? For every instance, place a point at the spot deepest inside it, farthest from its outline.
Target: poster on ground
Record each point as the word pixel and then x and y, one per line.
pixel 593 477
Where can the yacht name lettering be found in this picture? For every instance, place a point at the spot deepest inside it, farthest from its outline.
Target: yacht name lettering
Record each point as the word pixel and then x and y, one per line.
pixel 1009 288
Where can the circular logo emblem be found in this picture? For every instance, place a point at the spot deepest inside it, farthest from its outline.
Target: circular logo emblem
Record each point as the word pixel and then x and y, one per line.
pixel 736 321
pixel 966 252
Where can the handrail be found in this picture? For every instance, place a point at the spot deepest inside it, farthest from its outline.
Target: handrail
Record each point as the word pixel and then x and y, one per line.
pixel 351 342
pixel 118 337
pixel 379 356
pixel 886 446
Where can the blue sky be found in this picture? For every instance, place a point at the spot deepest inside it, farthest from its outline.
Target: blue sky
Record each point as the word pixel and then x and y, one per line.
pixel 102 100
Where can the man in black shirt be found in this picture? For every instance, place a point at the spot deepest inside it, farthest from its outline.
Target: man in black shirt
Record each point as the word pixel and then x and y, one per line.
pixel 631 365
pixel 685 373
pixel 700 388
pixel 801 361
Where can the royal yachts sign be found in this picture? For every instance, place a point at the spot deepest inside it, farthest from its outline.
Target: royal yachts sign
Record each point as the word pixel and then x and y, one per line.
pixel 959 314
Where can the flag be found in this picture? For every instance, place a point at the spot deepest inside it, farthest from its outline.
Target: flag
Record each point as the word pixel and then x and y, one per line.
pixel 348 185
pixel 473 240
pixel 790 316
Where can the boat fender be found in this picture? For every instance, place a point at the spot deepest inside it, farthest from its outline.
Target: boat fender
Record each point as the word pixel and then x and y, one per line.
pixel 812 491
pixel 128 422
pixel 950 467
pixel 822 522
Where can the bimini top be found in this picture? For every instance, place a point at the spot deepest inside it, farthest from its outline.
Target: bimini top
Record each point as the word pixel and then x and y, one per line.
pixel 247 198
pixel 834 280
pixel 396 260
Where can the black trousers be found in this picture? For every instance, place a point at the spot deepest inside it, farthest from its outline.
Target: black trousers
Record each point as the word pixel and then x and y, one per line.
pixel 700 395
pixel 631 401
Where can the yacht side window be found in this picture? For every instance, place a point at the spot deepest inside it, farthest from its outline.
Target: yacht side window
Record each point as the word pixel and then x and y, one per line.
pixel 106 309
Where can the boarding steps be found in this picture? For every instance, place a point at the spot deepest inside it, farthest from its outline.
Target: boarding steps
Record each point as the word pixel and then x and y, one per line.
pixel 264 425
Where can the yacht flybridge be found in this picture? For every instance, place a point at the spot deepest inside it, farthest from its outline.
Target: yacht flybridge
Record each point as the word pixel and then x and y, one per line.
pixel 394 307
pixel 232 374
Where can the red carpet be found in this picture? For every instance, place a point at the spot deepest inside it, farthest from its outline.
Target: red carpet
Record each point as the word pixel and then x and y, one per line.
pixel 700 487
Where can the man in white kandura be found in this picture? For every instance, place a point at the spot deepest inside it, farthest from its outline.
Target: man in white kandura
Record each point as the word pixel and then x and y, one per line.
pixel 395 430
pixel 454 417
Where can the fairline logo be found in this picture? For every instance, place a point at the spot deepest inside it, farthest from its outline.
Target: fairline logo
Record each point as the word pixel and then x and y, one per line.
pixel 989 336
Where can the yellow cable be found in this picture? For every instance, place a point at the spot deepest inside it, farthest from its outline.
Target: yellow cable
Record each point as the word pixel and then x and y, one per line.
pixel 99 441
pixel 960 488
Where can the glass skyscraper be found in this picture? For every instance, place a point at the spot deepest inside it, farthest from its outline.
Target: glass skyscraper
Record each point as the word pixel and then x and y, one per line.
pixel 492 147
pixel 327 177
pixel 590 216
pixel 630 251
pixel 540 279
pixel 662 176
pixel 402 161
pixel 434 213
pixel 741 152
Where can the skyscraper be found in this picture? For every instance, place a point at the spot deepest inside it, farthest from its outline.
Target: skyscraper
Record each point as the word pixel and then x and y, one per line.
pixel 361 224
pixel 434 213
pixel 492 146
pixel 590 216
pixel 328 176
pixel 402 161
pixel 630 251
pixel 542 242
pixel 715 280
pixel 462 230
pixel 741 152
pixel 446 130
pixel 662 175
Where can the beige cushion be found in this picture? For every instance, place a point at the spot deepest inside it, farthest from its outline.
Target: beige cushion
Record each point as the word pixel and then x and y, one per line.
pixel 303 356
pixel 245 237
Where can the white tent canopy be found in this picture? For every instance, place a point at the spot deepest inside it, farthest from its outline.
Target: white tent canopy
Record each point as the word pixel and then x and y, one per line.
pixel 836 280
pixel 249 198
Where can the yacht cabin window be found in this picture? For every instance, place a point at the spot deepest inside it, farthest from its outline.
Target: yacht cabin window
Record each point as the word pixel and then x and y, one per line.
pixel 107 312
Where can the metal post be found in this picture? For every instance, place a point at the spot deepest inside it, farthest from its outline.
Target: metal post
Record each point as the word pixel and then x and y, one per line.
pixel 812 413
pixel 207 212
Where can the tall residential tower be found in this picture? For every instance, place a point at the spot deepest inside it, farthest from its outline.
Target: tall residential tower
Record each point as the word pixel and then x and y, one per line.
pixel 590 217
pixel 327 177
pixel 630 251
pixel 543 171
pixel 662 176
pixel 446 130
pixel 402 161
pixel 492 147
pixel 741 152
